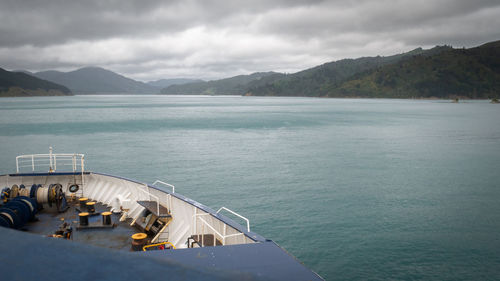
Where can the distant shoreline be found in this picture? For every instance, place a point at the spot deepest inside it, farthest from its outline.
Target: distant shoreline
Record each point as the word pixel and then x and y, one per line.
pixel 244 96
pixel 15 92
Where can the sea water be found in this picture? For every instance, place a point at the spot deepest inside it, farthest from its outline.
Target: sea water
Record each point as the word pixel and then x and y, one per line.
pixel 354 188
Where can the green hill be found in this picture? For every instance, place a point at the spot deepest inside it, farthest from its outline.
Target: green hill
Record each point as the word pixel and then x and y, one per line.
pixel 236 85
pixel 164 83
pixel 455 73
pixel 13 84
pixel 318 81
pixel 441 72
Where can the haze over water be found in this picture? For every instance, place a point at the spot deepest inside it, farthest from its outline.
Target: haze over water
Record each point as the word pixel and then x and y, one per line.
pixel 354 188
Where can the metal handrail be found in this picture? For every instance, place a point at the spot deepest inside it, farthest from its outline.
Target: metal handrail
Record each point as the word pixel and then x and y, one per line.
pixel 168 195
pixel 166 184
pixel 37 160
pixel 198 216
pixel 151 195
pixel 75 160
pixel 157 244
pixel 236 214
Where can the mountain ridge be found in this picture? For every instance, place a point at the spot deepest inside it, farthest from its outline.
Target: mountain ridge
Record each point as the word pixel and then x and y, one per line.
pixel 315 81
pixel 15 84
pixel 439 72
pixel 164 83
pixel 96 80
pixel 454 73
pixel 235 85
pixel 309 82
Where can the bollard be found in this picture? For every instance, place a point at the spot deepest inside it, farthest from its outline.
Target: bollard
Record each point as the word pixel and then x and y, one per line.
pixel 106 218
pixel 138 241
pixel 90 207
pixel 84 218
pixel 83 201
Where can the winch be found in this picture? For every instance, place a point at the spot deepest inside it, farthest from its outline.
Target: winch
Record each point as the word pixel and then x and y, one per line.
pixel 20 204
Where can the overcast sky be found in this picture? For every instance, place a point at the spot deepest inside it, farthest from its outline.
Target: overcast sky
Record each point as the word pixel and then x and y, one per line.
pixel 209 39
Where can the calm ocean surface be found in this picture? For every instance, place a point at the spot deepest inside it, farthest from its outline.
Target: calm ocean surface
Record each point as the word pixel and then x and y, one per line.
pixel 355 189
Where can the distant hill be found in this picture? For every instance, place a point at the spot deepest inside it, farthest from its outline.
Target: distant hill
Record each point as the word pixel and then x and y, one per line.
pixel 316 81
pixel 453 73
pixel 14 84
pixel 237 85
pixel 441 72
pixel 24 71
pixel 95 80
pixel 163 83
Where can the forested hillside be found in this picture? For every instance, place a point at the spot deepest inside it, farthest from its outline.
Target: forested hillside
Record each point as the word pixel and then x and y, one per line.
pixel 454 73
pixel 236 85
pixel 21 84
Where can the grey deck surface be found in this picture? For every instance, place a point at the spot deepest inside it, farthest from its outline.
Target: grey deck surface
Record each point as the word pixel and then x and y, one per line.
pixel 263 260
pixel 118 238
pixel 26 256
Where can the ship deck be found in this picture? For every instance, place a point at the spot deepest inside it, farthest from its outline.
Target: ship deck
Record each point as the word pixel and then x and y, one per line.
pixel 239 254
pixel 117 237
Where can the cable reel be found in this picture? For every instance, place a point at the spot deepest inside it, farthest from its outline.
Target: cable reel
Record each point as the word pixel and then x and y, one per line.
pixel 17 212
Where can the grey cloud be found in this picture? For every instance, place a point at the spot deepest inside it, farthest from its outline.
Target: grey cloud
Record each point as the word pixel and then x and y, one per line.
pixel 378 18
pixel 41 23
pixel 48 22
pixel 149 40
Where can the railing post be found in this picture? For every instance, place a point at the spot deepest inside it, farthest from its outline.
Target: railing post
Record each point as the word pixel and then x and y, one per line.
pixel 32 163
pixel 158 207
pixel 83 168
pixel 224 237
pixel 195 217
pixel 50 158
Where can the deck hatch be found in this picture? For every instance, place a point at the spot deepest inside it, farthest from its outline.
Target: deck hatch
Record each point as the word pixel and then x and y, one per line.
pixel 153 208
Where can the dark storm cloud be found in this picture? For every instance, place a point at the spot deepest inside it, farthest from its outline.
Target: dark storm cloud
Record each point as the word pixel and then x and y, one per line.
pixel 212 39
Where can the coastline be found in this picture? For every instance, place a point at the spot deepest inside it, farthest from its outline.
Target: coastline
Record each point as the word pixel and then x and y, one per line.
pixel 23 93
pixel 20 92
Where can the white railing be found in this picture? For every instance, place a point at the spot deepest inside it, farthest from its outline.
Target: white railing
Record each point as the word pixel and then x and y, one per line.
pixel 236 214
pixel 198 217
pixel 168 195
pixel 151 195
pixel 166 184
pixel 51 162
